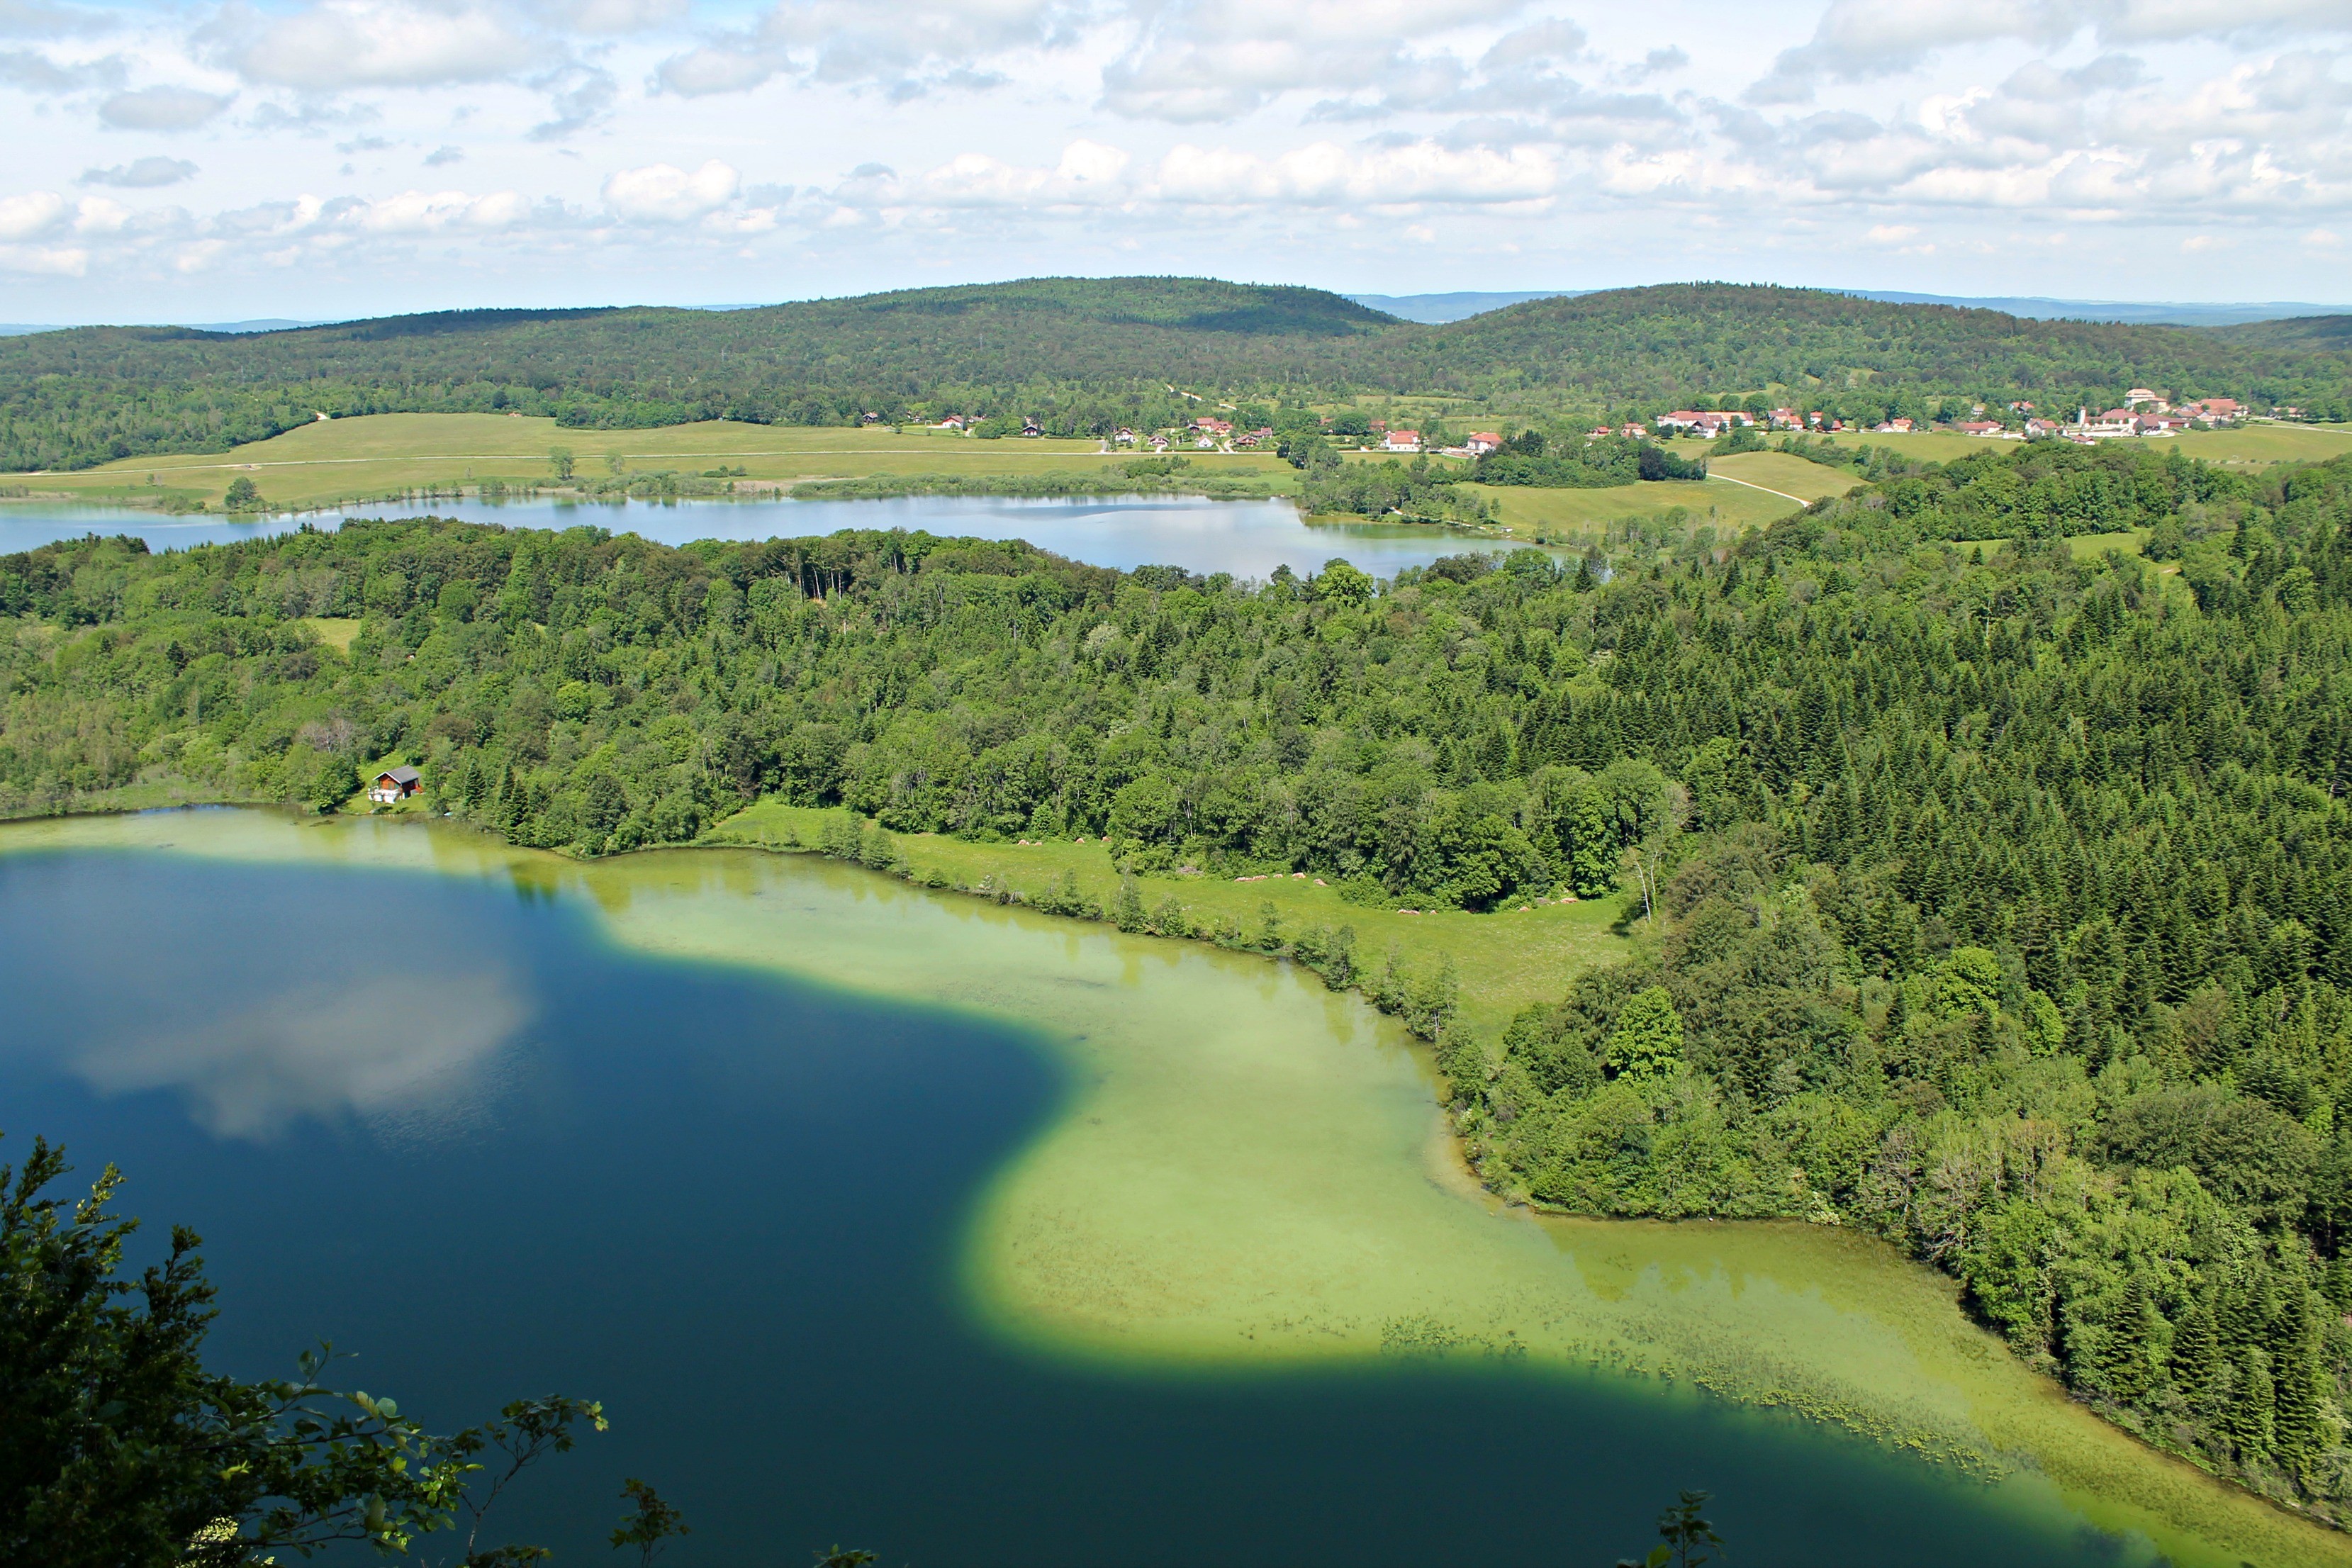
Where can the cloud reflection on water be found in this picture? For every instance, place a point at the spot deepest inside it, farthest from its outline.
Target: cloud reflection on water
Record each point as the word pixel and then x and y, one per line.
pixel 404 1051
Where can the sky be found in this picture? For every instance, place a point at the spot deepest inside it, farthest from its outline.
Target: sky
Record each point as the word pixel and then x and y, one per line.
pixel 342 158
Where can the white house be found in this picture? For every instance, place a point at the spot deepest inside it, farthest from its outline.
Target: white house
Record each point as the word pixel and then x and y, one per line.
pixel 1401 441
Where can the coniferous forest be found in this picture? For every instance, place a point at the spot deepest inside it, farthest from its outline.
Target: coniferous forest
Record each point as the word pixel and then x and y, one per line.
pixel 1986 894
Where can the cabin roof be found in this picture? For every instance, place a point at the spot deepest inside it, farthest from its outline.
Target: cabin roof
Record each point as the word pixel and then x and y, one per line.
pixel 400 776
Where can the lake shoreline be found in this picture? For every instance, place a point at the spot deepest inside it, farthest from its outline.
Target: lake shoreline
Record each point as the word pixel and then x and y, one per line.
pixel 1043 1310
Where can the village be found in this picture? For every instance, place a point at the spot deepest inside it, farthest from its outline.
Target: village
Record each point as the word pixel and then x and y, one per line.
pixel 2144 413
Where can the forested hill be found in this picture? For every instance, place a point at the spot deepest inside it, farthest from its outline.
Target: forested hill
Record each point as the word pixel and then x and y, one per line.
pixel 1089 354
pixel 72 398
pixel 1661 345
pixel 2305 332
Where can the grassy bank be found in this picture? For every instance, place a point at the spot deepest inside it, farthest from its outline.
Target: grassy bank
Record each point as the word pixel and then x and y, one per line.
pixel 1118 480
pixel 1504 960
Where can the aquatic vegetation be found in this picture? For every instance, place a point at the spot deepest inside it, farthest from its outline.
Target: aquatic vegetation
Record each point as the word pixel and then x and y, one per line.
pixel 1251 1171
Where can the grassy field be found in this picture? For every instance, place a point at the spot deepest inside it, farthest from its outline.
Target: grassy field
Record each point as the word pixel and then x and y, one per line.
pixel 382 454
pixel 1790 475
pixel 2084 546
pixel 1507 959
pixel 337 632
pixel 1569 514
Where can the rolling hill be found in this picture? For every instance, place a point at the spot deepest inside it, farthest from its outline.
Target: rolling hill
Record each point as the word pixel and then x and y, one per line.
pixel 1085 353
pixel 2326 333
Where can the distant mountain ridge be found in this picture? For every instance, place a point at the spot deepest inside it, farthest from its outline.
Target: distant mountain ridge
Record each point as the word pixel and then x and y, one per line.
pixel 263 324
pixel 1439 309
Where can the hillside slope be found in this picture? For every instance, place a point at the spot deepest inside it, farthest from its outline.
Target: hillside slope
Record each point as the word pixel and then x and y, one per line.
pixel 2329 333
pixel 72 398
pixel 1086 355
pixel 1672 341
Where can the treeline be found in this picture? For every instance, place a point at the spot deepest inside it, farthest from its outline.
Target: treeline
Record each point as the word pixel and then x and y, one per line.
pixel 1086 356
pixel 2041 490
pixel 1993 899
pixel 1575 462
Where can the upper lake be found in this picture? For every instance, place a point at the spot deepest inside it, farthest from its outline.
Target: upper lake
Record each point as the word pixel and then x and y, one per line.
pixel 974 1236
pixel 1248 539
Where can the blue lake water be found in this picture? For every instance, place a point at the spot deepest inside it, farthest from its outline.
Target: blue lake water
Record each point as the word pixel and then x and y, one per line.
pixel 445 1123
pixel 1249 539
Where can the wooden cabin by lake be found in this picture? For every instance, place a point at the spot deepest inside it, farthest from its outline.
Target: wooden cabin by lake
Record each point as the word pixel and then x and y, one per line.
pixel 395 784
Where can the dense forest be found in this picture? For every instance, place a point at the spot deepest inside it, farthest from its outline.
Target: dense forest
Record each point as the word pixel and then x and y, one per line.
pixel 1993 898
pixel 1086 356
pixel 2328 332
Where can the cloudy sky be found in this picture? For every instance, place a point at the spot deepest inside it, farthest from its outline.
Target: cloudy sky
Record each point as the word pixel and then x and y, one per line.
pixel 205 161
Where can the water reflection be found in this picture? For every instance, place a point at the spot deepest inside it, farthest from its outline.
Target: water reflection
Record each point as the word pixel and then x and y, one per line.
pixel 1249 539
pixel 267 1009
pixel 328 1051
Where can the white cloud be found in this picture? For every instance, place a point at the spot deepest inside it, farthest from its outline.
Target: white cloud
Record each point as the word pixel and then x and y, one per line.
pixel 907 49
pixel 617 16
pixel 664 193
pixel 33 71
pixel 162 109
pixel 370 43
pixel 100 215
pixel 31 216
pixel 1326 174
pixel 1195 61
pixel 435 212
pixel 197 255
pixel 140 174
pixel 1860 41
pixel 65 261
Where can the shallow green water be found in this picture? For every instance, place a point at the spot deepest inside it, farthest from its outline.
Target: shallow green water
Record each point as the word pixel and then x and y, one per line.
pixel 972 1235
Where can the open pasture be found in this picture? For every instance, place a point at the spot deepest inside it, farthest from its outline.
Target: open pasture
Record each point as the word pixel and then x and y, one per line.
pixel 1790 475
pixel 385 454
pixel 1531 513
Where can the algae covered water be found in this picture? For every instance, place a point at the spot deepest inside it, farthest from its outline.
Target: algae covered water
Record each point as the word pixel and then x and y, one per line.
pixel 969 1236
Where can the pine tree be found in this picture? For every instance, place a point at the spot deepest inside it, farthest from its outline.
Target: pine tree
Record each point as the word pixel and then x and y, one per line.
pixel 2196 1351
pixel 2297 1374
pixel 2251 1418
